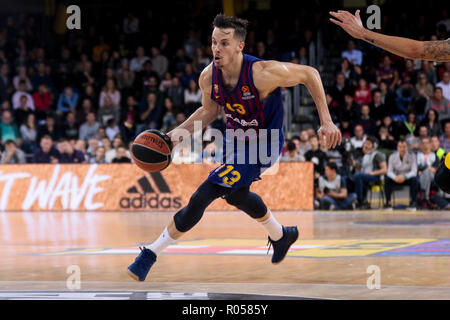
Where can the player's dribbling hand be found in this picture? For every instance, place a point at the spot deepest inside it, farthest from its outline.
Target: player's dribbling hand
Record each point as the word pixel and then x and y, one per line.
pixel 329 135
pixel 350 23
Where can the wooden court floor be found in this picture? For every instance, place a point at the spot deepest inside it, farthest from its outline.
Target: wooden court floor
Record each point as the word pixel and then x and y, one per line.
pixel 339 255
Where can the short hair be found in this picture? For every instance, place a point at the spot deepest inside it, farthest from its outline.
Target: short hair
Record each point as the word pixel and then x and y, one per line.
pixel 332 166
pixel 9 141
pixel 291 146
pixel 239 25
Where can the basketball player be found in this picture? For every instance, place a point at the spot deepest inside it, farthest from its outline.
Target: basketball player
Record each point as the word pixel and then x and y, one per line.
pixel 407 48
pixel 247 89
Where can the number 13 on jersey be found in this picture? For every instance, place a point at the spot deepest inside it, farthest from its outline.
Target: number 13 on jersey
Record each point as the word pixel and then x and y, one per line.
pixel 229 175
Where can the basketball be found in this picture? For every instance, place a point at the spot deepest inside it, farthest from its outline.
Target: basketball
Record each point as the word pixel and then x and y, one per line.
pixel 151 150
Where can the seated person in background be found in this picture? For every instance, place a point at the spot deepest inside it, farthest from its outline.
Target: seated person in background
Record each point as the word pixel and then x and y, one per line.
pixel 316 156
pixel 436 147
pixel 47 153
pixel 359 138
pixel 332 190
pixel 69 154
pixel 402 170
pixel 121 156
pixel 387 141
pixel 99 155
pixel 370 168
pixel 12 154
pixel 427 163
pixel 292 154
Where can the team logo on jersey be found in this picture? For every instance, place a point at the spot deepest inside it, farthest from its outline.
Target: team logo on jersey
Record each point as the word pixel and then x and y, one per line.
pixel 246 93
pixel 216 88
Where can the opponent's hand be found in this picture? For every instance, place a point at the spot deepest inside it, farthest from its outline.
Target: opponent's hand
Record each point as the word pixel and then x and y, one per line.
pixel 350 23
pixel 329 135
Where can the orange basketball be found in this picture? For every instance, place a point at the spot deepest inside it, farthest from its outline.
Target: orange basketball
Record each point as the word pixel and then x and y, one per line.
pixel 151 150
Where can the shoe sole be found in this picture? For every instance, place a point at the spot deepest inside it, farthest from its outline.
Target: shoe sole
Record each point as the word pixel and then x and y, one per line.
pixel 296 238
pixel 133 276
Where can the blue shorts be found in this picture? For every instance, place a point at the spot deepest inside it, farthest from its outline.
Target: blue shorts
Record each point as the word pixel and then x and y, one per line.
pixel 235 173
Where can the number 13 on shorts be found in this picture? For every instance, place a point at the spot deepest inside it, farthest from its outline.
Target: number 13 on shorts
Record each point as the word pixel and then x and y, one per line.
pixel 229 175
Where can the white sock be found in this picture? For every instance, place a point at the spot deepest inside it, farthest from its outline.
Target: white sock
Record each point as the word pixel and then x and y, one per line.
pixel 273 227
pixel 162 242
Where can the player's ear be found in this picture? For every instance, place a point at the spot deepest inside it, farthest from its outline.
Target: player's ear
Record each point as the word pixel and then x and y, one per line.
pixel 241 45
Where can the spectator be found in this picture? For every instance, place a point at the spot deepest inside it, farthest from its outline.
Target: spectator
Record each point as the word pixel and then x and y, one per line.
pixel 49 128
pixel 67 100
pixel 12 154
pixel 125 78
pixel 387 141
pixel 42 101
pixel 22 77
pixel 71 131
pixel 366 121
pixel 428 70
pixel 363 95
pixel 137 63
pixel 41 78
pixel 89 128
pixel 110 91
pixel 353 55
pixel 302 142
pixel 187 76
pixel 436 147
pixel 108 111
pixel 166 82
pixel 359 138
pixel 424 92
pixel 402 170
pixel 121 156
pixel 150 114
pixel 387 73
pixel 445 138
pixel 350 111
pixel 129 118
pixel 130 24
pixel 370 168
pixel 159 62
pixel 86 108
pixel 47 153
pixel 192 97
pixel 28 132
pixel 80 145
pixel 8 129
pixel 176 93
pixel 99 156
pixel 339 90
pixel 93 145
pixel 445 85
pixel 440 104
pixel 292 154
pixel 409 127
pixel 332 191
pixel 22 112
pixel 112 129
pixel 112 153
pixel 427 163
pixel 21 91
pixel 378 109
pixel 168 121
pixel 70 154
pixel 431 122
pixel 316 156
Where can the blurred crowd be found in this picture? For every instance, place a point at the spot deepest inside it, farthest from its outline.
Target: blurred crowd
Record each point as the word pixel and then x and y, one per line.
pixel 86 100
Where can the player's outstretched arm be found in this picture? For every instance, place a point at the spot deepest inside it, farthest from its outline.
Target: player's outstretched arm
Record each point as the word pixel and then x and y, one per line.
pixel 206 114
pixel 404 47
pixel 273 74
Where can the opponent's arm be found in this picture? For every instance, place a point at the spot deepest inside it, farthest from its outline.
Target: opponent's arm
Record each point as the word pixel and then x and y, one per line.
pixel 284 74
pixel 404 47
pixel 206 114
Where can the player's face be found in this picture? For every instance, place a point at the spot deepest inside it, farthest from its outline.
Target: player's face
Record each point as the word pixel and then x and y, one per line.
pixel 225 46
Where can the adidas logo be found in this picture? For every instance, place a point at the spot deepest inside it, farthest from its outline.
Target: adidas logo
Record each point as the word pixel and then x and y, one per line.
pixel 139 198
